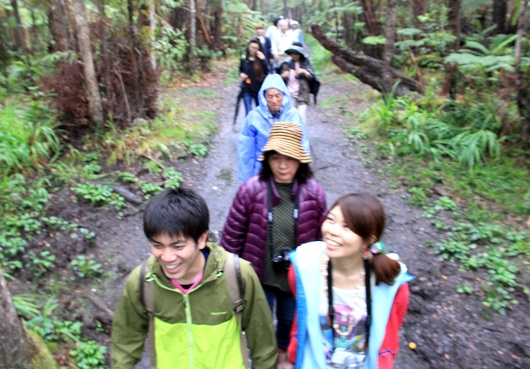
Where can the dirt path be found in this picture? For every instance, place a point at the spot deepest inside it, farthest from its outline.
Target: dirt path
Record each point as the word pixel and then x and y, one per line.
pixel 450 330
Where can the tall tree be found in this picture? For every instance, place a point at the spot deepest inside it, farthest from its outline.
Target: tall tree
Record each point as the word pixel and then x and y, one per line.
pixel 20 37
pixel 14 346
pixel 390 35
pixel 418 7
pixel 500 8
pixel 217 6
pixel 193 36
pixel 371 19
pixel 145 50
pixel 135 57
pixel 59 24
pixel 454 16
pixel 523 76
pixel 85 50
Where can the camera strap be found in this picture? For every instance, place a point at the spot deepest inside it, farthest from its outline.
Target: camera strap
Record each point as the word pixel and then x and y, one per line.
pixel 368 291
pixel 270 217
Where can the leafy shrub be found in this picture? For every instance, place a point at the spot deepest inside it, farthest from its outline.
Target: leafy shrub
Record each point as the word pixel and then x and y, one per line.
pixel 27 136
pixel 54 329
pixel 97 193
pixel 86 268
pixel 41 263
pixel 89 355
pixel 173 179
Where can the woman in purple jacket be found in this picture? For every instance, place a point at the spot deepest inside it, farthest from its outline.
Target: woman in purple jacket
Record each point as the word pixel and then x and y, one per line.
pixel 273 213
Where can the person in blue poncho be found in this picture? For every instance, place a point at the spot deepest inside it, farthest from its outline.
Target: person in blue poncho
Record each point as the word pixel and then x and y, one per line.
pixel 274 106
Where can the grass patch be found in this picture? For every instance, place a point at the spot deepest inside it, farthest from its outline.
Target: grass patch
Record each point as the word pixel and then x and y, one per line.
pixel 470 185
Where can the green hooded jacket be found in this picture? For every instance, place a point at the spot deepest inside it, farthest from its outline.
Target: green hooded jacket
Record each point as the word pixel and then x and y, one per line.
pixel 197 330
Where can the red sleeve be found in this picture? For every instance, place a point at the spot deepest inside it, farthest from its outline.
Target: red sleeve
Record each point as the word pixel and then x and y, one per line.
pixel 293 343
pixel 390 346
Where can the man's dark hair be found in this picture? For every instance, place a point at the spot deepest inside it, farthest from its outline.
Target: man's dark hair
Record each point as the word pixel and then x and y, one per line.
pixel 176 211
pixel 303 174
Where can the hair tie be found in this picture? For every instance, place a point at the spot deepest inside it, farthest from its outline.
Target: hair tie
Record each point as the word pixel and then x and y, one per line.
pixel 377 248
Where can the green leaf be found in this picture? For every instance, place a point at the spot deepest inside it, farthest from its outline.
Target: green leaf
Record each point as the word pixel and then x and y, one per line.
pixel 374 40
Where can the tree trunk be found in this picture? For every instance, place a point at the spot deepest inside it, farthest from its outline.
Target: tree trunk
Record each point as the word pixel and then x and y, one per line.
pixel 369 70
pixel 5 56
pixel 204 29
pixel 14 347
pixel 136 60
pixel 193 36
pixel 58 23
pixel 523 78
pixel 147 67
pixel 152 27
pixel 85 50
pixel 418 7
pixel 347 24
pixel 370 17
pixel 372 24
pixel 390 35
pixel 218 24
pixel 499 15
pixel 451 70
pixel 20 37
pixel 109 93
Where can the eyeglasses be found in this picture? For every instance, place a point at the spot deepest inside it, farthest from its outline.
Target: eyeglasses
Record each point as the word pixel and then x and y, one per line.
pixel 273 97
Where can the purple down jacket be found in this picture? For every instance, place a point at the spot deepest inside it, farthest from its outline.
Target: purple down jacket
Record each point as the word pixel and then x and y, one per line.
pixel 245 229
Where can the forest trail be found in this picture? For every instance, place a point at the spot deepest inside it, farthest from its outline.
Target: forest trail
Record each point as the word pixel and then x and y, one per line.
pixel 450 330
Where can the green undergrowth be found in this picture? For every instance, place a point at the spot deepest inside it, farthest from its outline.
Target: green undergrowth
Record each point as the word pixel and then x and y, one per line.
pixel 471 184
pixel 36 168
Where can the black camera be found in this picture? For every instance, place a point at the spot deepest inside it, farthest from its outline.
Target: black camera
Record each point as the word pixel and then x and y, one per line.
pixel 281 262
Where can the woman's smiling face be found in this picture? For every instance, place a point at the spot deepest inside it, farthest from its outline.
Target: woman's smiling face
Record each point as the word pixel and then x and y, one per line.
pixel 340 240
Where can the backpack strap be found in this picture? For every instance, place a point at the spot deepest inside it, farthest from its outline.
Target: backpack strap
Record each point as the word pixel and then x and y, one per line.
pixel 148 301
pixel 235 286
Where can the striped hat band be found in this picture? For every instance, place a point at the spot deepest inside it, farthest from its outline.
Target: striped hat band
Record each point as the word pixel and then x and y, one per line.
pixel 286 139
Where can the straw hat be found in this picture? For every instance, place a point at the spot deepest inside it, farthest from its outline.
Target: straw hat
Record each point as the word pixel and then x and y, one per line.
pixel 286 139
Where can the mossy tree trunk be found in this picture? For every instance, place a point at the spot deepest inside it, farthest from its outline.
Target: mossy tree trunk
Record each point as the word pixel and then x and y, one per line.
pixel 374 72
pixel 85 51
pixel 14 347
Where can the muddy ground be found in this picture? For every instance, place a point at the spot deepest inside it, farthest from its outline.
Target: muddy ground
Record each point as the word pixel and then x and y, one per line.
pixel 450 330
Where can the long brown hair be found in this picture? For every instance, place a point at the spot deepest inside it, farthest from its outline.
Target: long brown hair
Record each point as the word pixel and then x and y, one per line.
pixel 259 73
pixel 365 215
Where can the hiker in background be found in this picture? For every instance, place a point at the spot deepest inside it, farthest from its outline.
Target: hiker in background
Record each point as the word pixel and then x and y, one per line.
pixel 297 32
pixel 274 106
pixel 263 230
pixel 298 74
pixel 280 42
pixel 366 290
pixel 252 71
pixel 265 45
pixel 185 284
pixel 273 29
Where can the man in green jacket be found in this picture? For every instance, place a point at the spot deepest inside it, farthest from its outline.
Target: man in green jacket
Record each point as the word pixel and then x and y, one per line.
pixel 195 326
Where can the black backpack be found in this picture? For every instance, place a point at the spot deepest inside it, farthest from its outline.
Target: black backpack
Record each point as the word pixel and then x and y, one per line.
pixel 314 86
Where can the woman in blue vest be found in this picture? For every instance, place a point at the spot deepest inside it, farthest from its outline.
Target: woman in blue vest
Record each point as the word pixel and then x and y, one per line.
pixel 351 297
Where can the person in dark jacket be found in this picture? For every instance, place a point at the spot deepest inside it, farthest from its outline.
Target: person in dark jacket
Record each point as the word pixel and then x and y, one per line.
pixel 271 214
pixel 297 73
pixel 265 44
pixel 252 71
